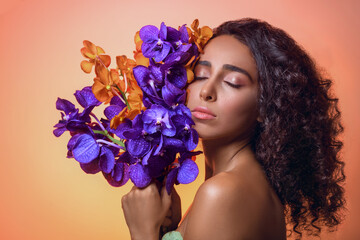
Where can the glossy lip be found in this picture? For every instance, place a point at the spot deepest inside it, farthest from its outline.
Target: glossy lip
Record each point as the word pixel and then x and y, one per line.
pixel 203 113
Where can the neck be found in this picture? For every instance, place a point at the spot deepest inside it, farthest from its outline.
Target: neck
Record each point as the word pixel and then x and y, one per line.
pixel 222 155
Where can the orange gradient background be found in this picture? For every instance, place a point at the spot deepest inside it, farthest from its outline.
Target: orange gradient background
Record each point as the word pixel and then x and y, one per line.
pixel 44 195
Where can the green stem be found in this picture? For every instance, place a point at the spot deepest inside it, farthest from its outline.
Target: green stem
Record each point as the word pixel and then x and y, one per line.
pixel 123 95
pixel 118 142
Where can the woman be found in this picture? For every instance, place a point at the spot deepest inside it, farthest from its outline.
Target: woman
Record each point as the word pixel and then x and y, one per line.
pixel 269 129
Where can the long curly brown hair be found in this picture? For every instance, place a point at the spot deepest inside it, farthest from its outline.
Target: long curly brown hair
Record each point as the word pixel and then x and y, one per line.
pixel 297 142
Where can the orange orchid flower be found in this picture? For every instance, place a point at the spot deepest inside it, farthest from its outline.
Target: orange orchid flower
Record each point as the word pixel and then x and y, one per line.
pixel 138 56
pixel 190 67
pixel 103 82
pixel 94 54
pixel 135 103
pixel 125 66
pixel 199 36
pixel 133 87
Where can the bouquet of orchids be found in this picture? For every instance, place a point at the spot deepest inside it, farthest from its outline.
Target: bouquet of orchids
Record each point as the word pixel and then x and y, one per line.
pixel 147 133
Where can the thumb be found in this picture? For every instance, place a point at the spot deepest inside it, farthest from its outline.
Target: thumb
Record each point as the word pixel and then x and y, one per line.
pixel 165 198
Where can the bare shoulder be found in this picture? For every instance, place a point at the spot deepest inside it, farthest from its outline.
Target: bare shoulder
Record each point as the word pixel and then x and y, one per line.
pixel 232 206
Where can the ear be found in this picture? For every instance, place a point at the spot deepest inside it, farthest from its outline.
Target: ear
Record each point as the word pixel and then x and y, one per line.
pixel 259 119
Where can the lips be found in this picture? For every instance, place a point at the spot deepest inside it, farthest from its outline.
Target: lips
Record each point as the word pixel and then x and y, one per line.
pixel 203 113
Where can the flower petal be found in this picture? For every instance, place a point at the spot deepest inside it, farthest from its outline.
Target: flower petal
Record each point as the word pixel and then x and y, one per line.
pixel 206 32
pixel 90 47
pixel 85 149
pixel 174 143
pixel 99 90
pixel 65 105
pixel 118 173
pixel 139 175
pixel 111 111
pixel 172 34
pixel 163 53
pixel 170 179
pixel 141 75
pixel 184 34
pixel 163 31
pixel 107 160
pixel 138 147
pixel 59 131
pixel 192 140
pixel 159 147
pixel 149 33
pixel 121 172
pixel 86 97
pixel 156 165
pixel 172 95
pixel 91 167
pixel 178 76
pixel 71 145
pixel 86 66
pixel 105 59
pixel 188 171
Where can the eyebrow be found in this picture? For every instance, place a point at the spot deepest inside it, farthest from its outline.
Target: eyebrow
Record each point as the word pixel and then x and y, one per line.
pixel 229 67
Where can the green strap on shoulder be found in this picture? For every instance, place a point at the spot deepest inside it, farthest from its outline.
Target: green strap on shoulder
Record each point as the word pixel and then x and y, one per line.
pixel 173 235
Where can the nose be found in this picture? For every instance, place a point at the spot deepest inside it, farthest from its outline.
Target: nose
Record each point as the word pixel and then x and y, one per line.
pixel 208 91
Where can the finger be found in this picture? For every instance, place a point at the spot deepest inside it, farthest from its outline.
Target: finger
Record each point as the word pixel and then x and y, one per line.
pixel 123 200
pixel 153 188
pixel 169 213
pixel 174 192
pixel 175 198
pixel 167 222
pixel 165 198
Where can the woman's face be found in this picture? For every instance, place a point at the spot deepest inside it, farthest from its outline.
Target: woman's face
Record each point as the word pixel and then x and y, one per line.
pixel 225 85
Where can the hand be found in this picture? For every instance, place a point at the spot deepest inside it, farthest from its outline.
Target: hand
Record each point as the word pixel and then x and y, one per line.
pixel 145 210
pixel 173 216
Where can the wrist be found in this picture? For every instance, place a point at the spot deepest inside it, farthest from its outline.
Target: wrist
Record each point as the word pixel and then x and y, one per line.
pixel 151 234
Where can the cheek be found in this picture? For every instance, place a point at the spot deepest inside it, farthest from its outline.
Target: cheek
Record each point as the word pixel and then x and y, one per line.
pixel 190 96
pixel 241 108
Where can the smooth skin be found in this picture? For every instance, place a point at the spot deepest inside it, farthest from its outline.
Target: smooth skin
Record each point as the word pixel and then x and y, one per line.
pixel 236 200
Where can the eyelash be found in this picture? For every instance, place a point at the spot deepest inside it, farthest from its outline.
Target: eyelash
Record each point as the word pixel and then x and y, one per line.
pixel 233 85
pixel 228 83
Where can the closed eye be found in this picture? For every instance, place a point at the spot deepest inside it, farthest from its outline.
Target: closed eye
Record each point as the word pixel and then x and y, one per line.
pixel 233 85
pixel 199 78
pixel 228 83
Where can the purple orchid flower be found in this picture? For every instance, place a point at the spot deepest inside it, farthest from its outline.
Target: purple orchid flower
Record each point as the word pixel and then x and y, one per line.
pixel 71 144
pixel 173 95
pixel 176 58
pixel 183 122
pixel 86 98
pixel 138 143
pixel 150 79
pixel 177 76
pixel 71 120
pixel 155 44
pixel 184 172
pixel 174 69
pixel 180 39
pixel 157 119
pixel 119 175
pixel 93 152
pixel 104 162
pixel 188 135
pixel 116 106
pixel 139 175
